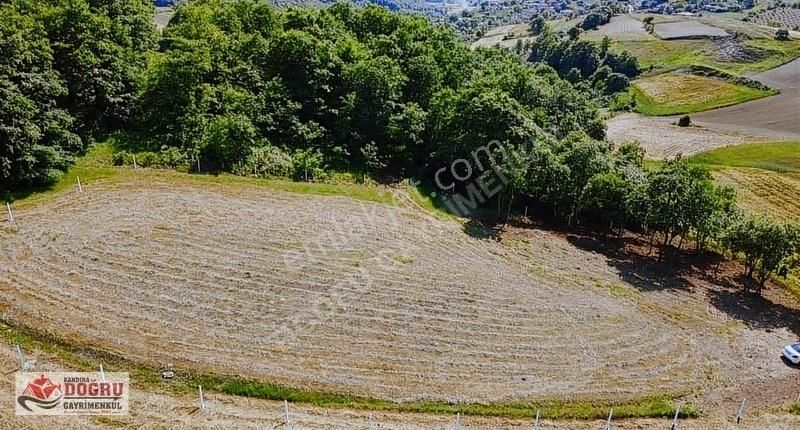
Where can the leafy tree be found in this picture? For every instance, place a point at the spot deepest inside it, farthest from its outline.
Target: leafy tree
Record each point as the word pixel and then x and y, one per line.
pixel 229 140
pixel 307 164
pixel 596 19
pixel 37 136
pixel 99 49
pixel 681 198
pixel 574 33
pixel 616 82
pixel 768 247
pixel 538 24
pixel 604 197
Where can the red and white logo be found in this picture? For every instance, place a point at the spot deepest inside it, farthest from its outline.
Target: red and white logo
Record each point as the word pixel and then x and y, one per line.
pixel 72 393
pixel 40 393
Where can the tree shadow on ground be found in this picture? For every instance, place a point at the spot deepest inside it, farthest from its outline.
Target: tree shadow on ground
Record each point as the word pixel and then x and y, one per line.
pixel 640 270
pixel 722 279
pixel 755 310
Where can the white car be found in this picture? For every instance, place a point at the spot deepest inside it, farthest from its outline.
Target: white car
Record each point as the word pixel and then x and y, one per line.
pixel 792 353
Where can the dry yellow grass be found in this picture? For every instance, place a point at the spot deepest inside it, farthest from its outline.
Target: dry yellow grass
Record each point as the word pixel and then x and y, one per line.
pixel 675 93
pixel 774 194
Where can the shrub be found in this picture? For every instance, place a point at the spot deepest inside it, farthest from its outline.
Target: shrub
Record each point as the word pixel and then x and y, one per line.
pixel 616 82
pixel 685 121
pixel 267 161
pixel 307 164
pixel 782 34
pixel 167 158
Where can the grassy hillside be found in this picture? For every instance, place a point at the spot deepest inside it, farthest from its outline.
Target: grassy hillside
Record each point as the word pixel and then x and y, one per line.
pixel 749 49
pixel 96 165
pixel 676 93
pixel 766 178
pixel 777 156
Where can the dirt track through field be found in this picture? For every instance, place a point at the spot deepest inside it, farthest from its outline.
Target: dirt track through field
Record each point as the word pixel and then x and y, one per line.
pixel 335 294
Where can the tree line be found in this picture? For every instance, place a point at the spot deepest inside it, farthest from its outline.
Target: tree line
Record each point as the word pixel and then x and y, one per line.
pixel 68 73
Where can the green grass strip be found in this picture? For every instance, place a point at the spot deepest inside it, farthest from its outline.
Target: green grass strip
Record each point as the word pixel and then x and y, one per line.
pixel 775 156
pixel 96 165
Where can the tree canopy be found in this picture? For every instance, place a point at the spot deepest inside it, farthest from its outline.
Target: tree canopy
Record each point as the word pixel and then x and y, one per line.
pixel 68 72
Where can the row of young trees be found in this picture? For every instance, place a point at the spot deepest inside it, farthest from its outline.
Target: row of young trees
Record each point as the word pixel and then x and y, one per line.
pixel 675 203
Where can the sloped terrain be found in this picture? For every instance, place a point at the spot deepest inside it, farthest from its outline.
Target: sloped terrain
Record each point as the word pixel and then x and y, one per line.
pixel 335 294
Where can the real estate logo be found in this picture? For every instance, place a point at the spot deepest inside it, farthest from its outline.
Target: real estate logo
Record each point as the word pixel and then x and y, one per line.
pixel 71 393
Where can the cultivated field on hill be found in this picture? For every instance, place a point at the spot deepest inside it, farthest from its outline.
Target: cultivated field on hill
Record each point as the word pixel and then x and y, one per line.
pixel 765 119
pixel 688 29
pixel 325 293
pixel 621 27
pixel 766 176
pixel 334 294
pixel 674 93
pixel 780 17
pixel 774 116
pixel 661 137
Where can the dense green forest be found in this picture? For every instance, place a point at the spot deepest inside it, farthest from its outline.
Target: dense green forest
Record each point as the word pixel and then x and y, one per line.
pixel 68 72
pixel 239 86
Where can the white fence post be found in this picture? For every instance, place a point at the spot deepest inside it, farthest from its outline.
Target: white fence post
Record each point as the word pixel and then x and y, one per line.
pixel 536 421
pixel 10 214
pixel 287 421
pixel 608 423
pixel 458 421
pixel 102 374
pixel 740 411
pixel 21 358
pixel 200 395
pixel 80 187
pixel 675 418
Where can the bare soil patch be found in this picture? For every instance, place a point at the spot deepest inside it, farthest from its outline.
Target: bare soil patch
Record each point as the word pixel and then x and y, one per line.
pixel 732 49
pixel 769 118
pixel 622 27
pixel 149 409
pixel 689 29
pixel 661 138
pixel 326 293
pixel 775 116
